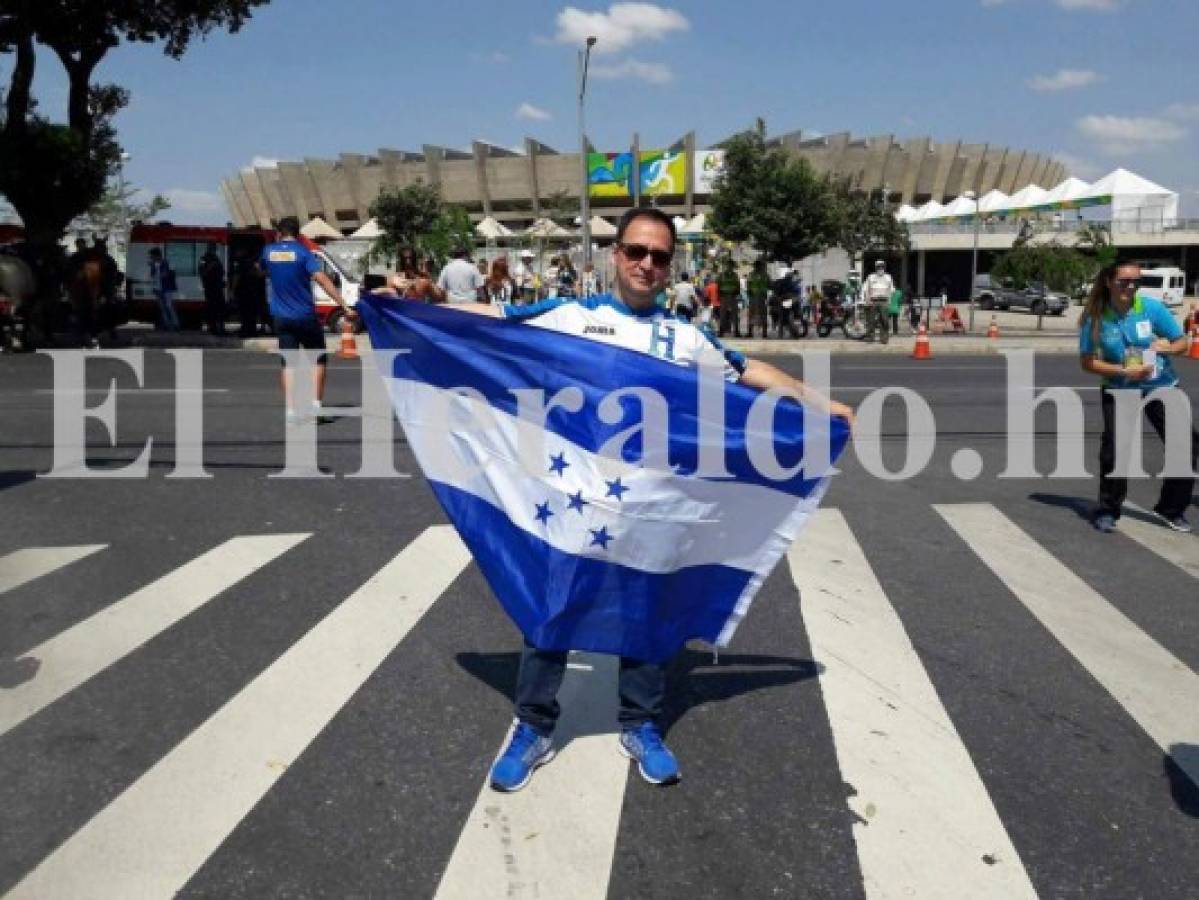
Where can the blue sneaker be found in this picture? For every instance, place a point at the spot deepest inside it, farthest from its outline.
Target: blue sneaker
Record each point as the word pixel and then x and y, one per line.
pixel 1104 522
pixel 654 759
pixel 526 751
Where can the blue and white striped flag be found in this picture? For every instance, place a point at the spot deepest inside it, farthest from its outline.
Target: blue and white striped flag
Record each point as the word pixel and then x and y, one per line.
pixel 586 547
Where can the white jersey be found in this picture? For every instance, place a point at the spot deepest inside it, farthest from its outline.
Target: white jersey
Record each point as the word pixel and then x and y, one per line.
pixel 878 287
pixel 656 332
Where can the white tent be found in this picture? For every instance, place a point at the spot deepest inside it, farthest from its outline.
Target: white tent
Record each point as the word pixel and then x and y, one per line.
pixel 697 226
pixel 602 228
pixel 489 229
pixel 1066 194
pixel 1133 198
pixel 547 229
pixel 961 206
pixel 369 231
pixel 1027 198
pixel 905 213
pixel 930 210
pixel 993 202
pixel 318 229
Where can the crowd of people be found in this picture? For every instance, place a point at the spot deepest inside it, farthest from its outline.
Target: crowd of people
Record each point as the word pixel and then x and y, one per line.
pixel 496 281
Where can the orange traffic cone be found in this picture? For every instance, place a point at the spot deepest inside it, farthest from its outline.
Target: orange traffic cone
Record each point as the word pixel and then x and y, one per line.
pixel 993 329
pixel 1194 351
pixel 349 346
pixel 922 350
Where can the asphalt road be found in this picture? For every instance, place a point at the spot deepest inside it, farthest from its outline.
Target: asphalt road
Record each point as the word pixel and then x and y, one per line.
pixel 956 688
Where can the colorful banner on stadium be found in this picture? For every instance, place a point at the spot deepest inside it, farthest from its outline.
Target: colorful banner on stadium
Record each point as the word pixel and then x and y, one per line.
pixel 662 172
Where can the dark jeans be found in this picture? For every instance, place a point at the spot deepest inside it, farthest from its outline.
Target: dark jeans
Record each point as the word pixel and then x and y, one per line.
pixel 1176 492
pixel 730 318
pixel 214 309
pixel 894 323
pixel 642 687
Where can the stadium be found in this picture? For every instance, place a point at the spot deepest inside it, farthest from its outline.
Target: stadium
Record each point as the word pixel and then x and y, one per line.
pixel 516 187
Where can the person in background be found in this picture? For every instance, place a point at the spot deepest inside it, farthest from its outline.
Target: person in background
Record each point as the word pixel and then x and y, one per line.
pixel 1127 339
pixel 876 291
pixel 411 280
pixel 162 282
pixel 212 279
pixel 728 285
pixel 291 268
pixel 894 309
pixel 684 299
pixel 568 279
pixel 590 281
pixel 757 288
pixel 711 308
pixel 549 280
pixel 249 290
pixel 460 281
pixel 497 289
pixel 522 277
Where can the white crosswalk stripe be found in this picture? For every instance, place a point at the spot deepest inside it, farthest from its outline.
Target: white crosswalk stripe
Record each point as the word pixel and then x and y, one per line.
pixel 1173 546
pixel 88 648
pixel 1154 687
pixel 155 835
pixel 23 566
pixel 556 837
pixel 926 825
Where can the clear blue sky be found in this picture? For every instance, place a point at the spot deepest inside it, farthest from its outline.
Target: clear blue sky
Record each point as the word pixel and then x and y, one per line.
pixel 1100 83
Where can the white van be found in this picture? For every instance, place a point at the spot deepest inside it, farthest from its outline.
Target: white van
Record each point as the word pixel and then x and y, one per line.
pixel 1167 284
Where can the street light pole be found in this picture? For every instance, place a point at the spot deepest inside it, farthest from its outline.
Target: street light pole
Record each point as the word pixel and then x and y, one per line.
pixel 584 187
pixel 125 157
pixel 974 259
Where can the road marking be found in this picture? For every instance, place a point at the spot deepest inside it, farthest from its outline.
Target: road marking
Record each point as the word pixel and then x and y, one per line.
pixel 557 837
pixel 150 840
pixel 1156 689
pixel 1173 546
pixel 23 566
pixel 68 660
pixel 128 392
pixel 926 826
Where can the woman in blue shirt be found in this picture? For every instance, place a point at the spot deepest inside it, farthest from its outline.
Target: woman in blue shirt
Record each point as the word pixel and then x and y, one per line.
pixel 1128 340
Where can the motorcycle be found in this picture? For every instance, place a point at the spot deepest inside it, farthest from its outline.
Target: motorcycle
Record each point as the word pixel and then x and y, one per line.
pixel 837 310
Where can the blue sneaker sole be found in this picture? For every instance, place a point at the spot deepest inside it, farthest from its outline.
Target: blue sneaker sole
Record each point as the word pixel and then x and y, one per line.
pixel 645 776
pixel 537 764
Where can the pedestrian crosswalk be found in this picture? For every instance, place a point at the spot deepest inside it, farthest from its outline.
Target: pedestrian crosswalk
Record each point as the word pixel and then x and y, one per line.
pixel 925 819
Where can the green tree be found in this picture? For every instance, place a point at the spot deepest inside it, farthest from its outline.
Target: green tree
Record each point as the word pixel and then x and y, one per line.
pixel 863 224
pixel 117 208
pixel 453 228
pixel 405 216
pixel 52 172
pixel 561 207
pixel 773 200
pixel 1060 268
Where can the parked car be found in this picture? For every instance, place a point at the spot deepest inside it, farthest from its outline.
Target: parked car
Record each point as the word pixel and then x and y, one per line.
pixel 1002 293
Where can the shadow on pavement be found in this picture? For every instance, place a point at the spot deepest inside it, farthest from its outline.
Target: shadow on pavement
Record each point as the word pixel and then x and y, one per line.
pixel 15 478
pixel 692 678
pixel 1083 508
pixel 1184 791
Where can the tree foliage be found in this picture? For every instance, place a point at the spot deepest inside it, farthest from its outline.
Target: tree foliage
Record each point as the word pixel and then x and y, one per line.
pixel 1061 268
pixel 117 207
pixel 415 217
pixel 53 172
pixel 778 203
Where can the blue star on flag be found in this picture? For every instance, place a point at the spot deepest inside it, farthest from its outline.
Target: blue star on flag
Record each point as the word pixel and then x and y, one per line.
pixel 600 536
pixel 543 512
pixel 558 464
pixel 576 502
pixel 616 489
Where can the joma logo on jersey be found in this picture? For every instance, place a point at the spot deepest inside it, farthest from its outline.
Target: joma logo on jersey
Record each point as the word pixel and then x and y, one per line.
pixel 599 329
pixel 282 256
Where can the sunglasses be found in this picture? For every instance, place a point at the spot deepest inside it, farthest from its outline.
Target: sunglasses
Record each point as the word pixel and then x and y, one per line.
pixel 637 252
pixel 1126 282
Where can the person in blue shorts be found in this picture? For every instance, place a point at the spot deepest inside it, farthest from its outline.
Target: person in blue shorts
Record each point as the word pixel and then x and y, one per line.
pixel 291 268
pixel 1128 339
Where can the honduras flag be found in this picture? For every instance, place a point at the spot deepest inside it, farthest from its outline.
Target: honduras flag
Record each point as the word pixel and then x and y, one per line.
pixel 606 520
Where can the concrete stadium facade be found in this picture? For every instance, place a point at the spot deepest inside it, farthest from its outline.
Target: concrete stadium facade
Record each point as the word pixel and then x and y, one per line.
pixel 513 187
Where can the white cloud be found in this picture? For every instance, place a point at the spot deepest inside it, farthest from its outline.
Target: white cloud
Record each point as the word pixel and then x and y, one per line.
pixel 1184 112
pixel 185 200
pixel 1121 135
pixel 623 25
pixel 263 162
pixel 533 113
pixel 654 73
pixel 1079 167
pixel 1064 80
pixel 1089 5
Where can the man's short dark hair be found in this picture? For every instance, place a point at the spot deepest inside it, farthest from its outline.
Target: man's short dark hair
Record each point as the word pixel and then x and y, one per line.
pixel 289 226
pixel 458 251
pixel 646 212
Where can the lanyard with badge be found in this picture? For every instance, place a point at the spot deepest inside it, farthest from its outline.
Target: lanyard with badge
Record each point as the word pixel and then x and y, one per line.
pixel 1136 356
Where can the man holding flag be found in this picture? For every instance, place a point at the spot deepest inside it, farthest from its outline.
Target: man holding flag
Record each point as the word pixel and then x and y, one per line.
pixel 649 577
